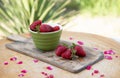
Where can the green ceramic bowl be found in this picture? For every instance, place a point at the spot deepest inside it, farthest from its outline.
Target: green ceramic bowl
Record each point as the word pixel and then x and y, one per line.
pixel 46 41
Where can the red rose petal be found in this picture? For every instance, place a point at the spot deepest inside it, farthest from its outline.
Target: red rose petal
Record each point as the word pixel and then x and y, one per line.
pixel 108 57
pixel 105 52
pixel 116 56
pixel 71 38
pixel 23 71
pixel 95 48
pixel 21 75
pixel 13 59
pixel 88 67
pixel 102 75
pixel 45 74
pixel 80 42
pixel 96 71
pixel 111 52
pixel 35 60
pixel 5 63
pixel 92 74
pixel 51 76
pixel 20 62
pixel 49 67
pixel 42 72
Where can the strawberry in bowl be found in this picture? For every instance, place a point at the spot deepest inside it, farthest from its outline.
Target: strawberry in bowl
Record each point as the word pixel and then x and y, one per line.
pixel 43 27
pixel 46 36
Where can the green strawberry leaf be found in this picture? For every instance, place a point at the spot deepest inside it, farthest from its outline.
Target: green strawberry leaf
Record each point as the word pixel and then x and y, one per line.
pixel 73 56
pixel 38 28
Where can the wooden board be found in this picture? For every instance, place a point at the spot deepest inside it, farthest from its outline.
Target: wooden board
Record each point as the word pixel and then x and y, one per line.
pixel 74 66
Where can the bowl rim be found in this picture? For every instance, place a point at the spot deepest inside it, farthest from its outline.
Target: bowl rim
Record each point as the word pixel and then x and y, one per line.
pixel 52 24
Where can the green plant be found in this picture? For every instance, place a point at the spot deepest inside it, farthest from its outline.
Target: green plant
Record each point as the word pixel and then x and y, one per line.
pixel 17 15
pixel 74 5
pixel 96 7
pixel 100 7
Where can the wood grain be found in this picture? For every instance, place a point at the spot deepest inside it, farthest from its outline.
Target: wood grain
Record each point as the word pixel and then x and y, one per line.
pixel 110 68
pixel 76 65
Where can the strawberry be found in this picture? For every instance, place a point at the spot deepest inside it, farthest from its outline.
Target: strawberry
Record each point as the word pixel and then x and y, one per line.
pixel 80 51
pixel 35 24
pixel 60 49
pixel 46 28
pixel 67 54
pixel 56 28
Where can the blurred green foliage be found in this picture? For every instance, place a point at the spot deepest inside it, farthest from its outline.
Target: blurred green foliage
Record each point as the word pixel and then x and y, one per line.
pixel 96 7
pixel 17 15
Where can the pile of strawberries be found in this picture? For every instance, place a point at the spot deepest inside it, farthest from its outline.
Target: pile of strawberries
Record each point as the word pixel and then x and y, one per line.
pixel 70 52
pixel 38 26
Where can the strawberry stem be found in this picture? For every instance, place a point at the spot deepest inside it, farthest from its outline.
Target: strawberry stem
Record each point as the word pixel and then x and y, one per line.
pixel 73 56
pixel 65 45
pixel 73 52
pixel 73 44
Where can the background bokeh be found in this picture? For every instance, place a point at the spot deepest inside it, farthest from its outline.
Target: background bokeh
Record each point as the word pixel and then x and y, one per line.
pixel 100 17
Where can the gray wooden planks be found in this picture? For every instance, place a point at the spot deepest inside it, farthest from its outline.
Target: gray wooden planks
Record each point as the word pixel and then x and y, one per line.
pixel 74 66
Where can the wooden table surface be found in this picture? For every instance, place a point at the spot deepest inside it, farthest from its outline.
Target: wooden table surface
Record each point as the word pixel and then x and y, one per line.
pixel 108 68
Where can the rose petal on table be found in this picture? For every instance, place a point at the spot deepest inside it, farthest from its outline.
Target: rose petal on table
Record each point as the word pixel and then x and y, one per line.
pixel 102 75
pixel 23 71
pixel 44 73
pixel 47 76
pixel 110 52
pixel 108 57
pixel 50 76
pixel 116 56
pixel 71 38
pixel 35 60
pixel 20 62
pixel 21 75
pixel 80 42
pixel 88 67
pixel 95 48
pixel 5 63
pixel 92 73
pixel 13 58
pixel 49 68
pixel 105 52
pixel 96 71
